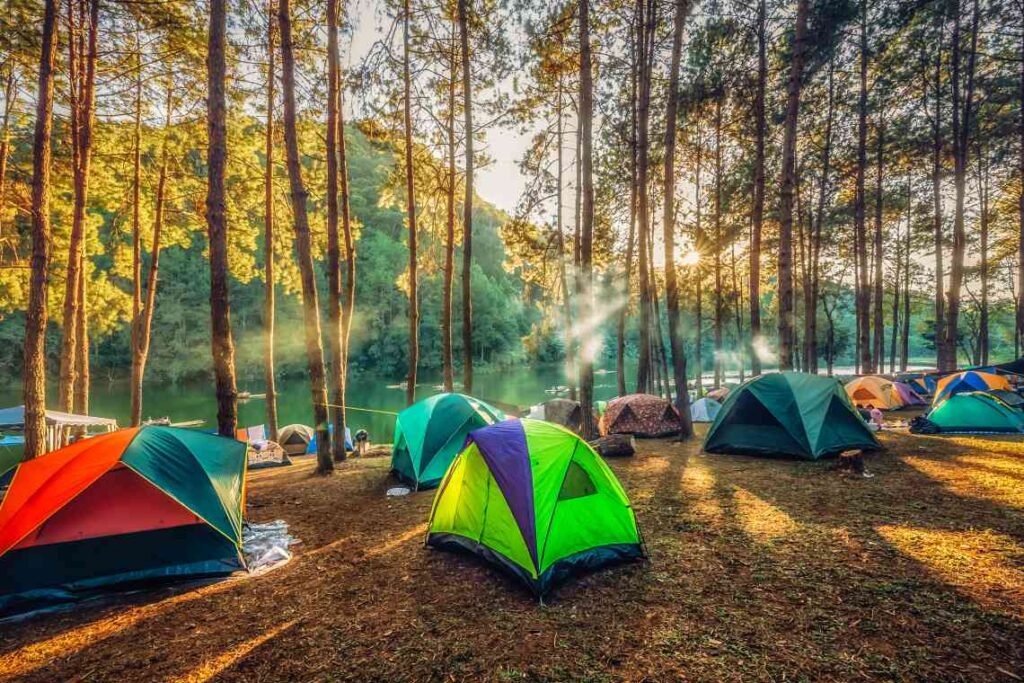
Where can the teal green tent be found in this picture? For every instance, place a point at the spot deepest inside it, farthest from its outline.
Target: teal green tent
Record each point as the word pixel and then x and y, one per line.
pixel 534 499
pixel 976 412
pixel 789 413
pixel 429 433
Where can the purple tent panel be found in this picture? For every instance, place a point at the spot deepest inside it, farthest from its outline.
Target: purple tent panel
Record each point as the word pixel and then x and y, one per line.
pixel 503 447
pixel 908 395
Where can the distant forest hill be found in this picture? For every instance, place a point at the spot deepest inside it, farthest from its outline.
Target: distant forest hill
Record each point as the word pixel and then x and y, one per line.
pixel 505 308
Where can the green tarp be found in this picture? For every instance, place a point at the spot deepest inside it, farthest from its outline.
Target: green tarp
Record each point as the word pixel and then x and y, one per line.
pixel 429 433
pixel 977 412
pixel 789 413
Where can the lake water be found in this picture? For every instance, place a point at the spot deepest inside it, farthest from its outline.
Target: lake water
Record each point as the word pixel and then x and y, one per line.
pixel 373 400
pixel 517 387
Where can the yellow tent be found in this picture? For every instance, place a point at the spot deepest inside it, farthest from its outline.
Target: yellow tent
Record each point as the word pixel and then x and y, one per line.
pixel 874 391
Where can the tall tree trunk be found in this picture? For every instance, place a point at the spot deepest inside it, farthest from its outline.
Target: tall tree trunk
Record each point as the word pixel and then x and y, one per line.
pixel 668 222
pixel 863 295
pixel 140 353
pixel 82 378
pixel 895 307
pixel 983 267
pixel 624 311
pixel 10 96
pixel 270 378
pixel 303 247
pixel 410 206
pixel 879 323
pixel 937 153
pixel 758 208
pixel 586 100
pixel 646 25
pixel 819 221
pixel 447 361
pixel 34 371
pixel 1020 201
pixel 335 335
pixel 698 239
pixel 348 241
pixel 785 267
pixel 718 241
pixel 82 70
pixel 467 205
pixel 961 138
pixel 737 309
pixel 905 333
pixel 136 382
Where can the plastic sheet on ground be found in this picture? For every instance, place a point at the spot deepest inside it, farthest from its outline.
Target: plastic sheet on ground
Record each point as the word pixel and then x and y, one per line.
pixel 399 491
pixel 266 545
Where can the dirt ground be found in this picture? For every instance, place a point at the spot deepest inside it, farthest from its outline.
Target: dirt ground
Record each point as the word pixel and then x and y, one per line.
pixel 759 570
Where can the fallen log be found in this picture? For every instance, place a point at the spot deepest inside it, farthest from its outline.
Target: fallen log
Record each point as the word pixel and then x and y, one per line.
pixel 614 445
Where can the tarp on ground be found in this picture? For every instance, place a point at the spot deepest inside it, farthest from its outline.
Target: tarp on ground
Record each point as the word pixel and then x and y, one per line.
pixel 789 413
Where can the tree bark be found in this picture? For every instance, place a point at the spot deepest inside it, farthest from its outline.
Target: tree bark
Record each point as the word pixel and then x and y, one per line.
pixel 447 359
pixel 863 296
pixel 698 238
pixel 624 311
pixel 34 371
pixel 136 344
pixel 410 207
pixel 905 333
pixel 718 241
pixel 785 266
pixel 961 138
pixel 467 206
pixel 1020 200
pixel 586 101
pixel 983 266
pixel 303 247
pixel 335 333
pixel 758 208
pixel 671 285
pixel 140 352
pixel 270 378
pixel 879 323
pixel 10 95
pixel 646 25
pixel 819 221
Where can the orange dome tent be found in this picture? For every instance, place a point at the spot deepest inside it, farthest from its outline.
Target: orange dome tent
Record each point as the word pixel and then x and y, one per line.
pixel 874 391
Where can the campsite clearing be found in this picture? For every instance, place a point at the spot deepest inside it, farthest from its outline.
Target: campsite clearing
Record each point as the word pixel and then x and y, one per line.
pixel 760 569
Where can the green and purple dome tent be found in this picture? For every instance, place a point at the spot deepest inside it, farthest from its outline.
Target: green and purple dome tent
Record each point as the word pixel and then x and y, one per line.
pixel 536 500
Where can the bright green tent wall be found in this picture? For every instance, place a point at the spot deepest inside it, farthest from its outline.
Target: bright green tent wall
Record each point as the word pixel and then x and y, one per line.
pixel 976 411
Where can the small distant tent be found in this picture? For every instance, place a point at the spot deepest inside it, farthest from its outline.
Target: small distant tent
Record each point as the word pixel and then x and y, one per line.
pixel 789 413
pixel 128 508
pixel 295 438
pixel 907 395
pixel 59 426
pixel 311 447
pixel 875 391
pixel 976 412
pixel 536 500
pixel 429 434
pixel 969 380
pixel 704 410
pixel 641 415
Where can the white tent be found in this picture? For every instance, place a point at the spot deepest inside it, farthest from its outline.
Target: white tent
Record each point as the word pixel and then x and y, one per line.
pixel 59 426
pixel 704 410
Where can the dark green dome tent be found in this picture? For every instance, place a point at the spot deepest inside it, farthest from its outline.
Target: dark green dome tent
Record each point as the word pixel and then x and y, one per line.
pixel 430 433
pixel 789 413
pixel 976 412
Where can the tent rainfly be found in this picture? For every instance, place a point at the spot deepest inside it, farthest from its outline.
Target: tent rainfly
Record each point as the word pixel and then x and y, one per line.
pixel 59 426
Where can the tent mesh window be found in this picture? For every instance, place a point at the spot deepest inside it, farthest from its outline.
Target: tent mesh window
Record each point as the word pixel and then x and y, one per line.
pixel 576 484
pixel 294 439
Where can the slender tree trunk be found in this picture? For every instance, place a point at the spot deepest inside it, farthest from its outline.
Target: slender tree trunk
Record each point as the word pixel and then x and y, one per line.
pixel 82 378
pixel 894 335
pixel 983 267
pixel 136 343
pixel 10 96
pixel 141 351
pixel 698 238
pixel 737 308
pixel 937 153
pixel 216 221
pixel 1020 201
pixel 34 371
pixel 586 99
pixel 303 248
pixel 819 221
pixel 961 135
pixel 785 267
pixel 863 295
pixel 467 206
pixel 624 311
pixel 879 323
pixel 758 208
pixel 348 241
pixel 646 27
pixel 905 335
pixel 270 378
pixel 335 334
pixel 671 285
pixel 410 205
pixel 447 361
pixel 718 241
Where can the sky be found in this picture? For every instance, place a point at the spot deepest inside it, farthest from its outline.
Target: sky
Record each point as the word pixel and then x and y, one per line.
pixel 499 182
